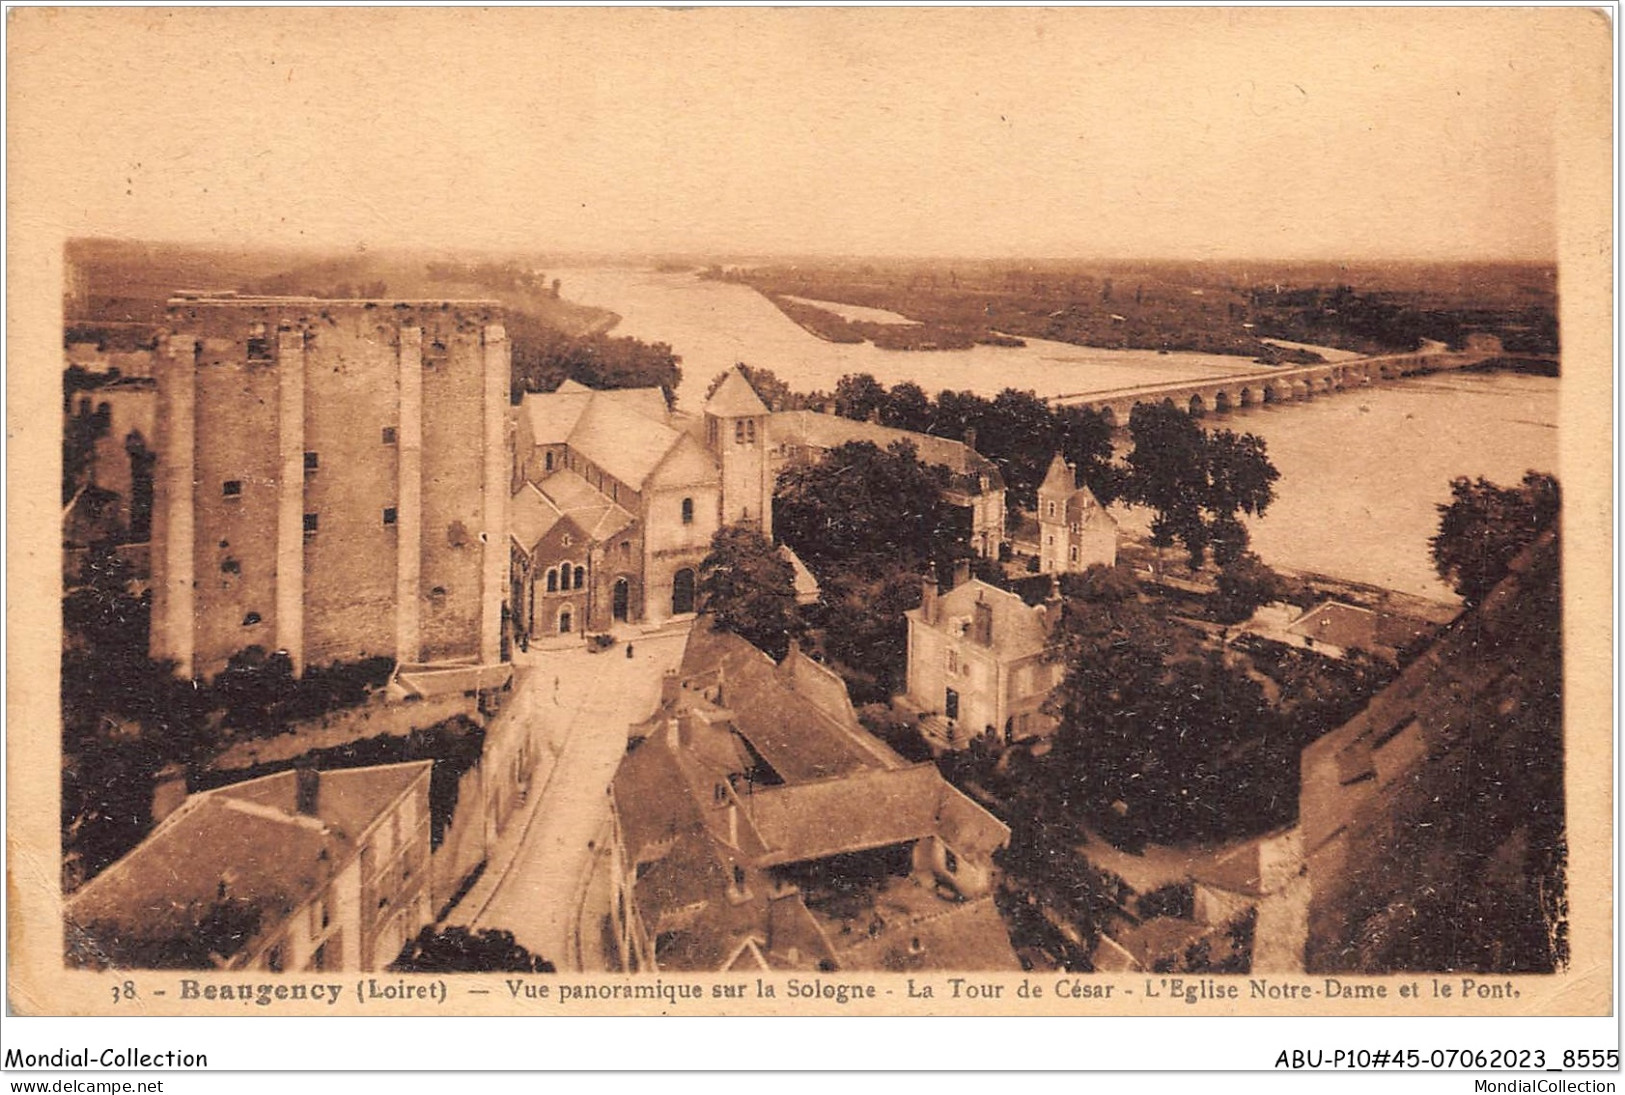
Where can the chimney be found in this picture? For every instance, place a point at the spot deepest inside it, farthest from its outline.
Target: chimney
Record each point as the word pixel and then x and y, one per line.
pixel 961 572
pixel 983 624
pixel 307 790
pixel 669 687
pixel 928 595
pixel 970 438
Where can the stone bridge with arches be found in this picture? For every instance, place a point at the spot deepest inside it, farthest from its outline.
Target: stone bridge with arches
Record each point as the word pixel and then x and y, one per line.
pixel 1271 385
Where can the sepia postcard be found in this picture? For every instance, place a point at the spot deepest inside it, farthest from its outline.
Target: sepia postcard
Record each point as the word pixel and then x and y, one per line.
pixel 843 511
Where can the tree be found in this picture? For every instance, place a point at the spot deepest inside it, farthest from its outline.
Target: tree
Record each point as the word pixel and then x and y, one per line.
pixel 1018 432
pixel 1086 443
pixel 867 521
pixel 749 589
pixel 1485 526
pixel 957 412
pixel 1198 483
pixel 859 396
pixel 863 504
pixel 459 950
pixel 1173 736
pixel 907 407
pixel 544 357
pixel 1245 583
pixel 1167 471
pixel 1240 475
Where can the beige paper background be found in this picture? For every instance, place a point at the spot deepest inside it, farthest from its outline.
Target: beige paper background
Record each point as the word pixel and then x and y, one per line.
pixel 58 187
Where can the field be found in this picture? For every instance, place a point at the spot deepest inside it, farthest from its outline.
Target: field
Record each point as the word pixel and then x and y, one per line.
pixel 1225 308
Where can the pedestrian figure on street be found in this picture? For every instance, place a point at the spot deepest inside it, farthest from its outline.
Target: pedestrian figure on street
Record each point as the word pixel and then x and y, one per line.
pixel 628 650
pixel 555 691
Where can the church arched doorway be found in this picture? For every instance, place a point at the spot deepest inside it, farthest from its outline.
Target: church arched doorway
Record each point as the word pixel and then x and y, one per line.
pixel 621 600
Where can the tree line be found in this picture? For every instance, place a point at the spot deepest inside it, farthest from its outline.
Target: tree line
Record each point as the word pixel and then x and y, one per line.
pixel 1198 482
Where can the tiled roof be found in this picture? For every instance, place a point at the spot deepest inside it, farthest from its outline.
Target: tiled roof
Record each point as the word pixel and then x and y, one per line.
pixel 838 796
pixel 827 431
pixel 1019 630
pixel 552 415
pixel 622 439
pixel 796 739
pixel 873 808
pixel 966 936
pixel 591 509
pixel 1084 509
pixel 245 844
pixel 531 516
pixel 555 416
pixel 1350 627
pixel 1060 478
pixel 735 398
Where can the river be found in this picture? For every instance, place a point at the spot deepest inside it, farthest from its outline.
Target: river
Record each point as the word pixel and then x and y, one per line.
pixel 1362 473
pixel 713 324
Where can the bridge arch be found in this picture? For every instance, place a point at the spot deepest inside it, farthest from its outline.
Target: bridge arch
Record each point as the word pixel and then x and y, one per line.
pixel 1221 402
pixel 1198 405
pixel 1246 398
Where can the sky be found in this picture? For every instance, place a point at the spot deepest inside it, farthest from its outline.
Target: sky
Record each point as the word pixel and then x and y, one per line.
pixel 1175 133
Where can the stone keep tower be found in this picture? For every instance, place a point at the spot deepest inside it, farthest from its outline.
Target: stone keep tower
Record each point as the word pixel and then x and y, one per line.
pixel 736 431
pixel 1060 483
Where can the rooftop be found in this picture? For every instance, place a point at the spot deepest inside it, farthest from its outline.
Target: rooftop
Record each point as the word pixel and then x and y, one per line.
pixel 814 429
pixel 735 398
pixel 227 866
pixel 1019 630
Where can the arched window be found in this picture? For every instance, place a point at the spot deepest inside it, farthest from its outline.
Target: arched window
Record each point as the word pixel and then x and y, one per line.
pixel 682 592
pixel 688 511
pixel 566 620
pixel 1052 509
pixel 552 581
pixel 581 577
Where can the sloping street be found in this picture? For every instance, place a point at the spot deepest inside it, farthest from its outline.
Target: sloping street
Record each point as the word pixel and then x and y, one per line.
pixel 536 888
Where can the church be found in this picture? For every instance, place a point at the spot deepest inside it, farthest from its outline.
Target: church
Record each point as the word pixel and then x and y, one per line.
pixel 616 499
pixel 616 496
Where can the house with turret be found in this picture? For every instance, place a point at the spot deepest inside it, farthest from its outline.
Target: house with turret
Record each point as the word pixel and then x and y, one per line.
pixel 1074 530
